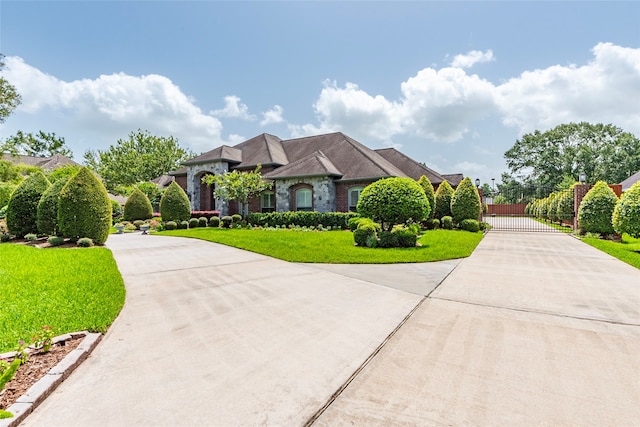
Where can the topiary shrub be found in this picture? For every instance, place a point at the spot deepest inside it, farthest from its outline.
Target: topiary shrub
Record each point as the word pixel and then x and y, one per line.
pixel 174 205
pixel 227 221
pixel 626 214
pixel 137 206
pixel 170 225
pixel 85 242
pixel 565 207
pixel 444 193
pixel 237 218
pixel 137 223
pixel 22 210
pixel 387 239
pixel 466 203
pixel 393 201
pixel 471 225
pixel 406 238
pixel 365 235
pixel 183 225
pixel 84 208
pixel 203 221
pixel 214 221
pixel 426 185
pixel 116 211
pixel 55 240
pixel 447 222
pixel 596 209
pixel 193 223
pixel 47 218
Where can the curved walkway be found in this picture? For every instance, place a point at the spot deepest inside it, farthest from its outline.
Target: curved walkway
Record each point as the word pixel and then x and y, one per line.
pixel 532 329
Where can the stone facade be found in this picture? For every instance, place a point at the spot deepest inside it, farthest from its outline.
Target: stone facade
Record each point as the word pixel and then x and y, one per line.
pixel 324 193
pixel 194 184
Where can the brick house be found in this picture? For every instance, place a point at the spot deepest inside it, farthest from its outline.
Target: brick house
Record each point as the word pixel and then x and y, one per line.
pixel 323 173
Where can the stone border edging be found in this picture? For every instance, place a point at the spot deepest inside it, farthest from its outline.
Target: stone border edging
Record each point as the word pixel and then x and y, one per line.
pixel 38 392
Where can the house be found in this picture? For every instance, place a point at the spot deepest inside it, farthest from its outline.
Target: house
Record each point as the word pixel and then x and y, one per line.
pixel 46 163
pixel 627 183
pixel 323 173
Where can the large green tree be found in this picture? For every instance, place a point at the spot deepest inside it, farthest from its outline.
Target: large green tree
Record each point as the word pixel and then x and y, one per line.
pixel 240 186
pixel 9 97
pixel 41 144
pixel 602 152
pixel 141 157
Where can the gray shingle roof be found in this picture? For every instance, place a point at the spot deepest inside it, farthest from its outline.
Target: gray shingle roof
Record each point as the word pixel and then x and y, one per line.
pixel 627 183
pixel 315 164
pixel 224 152
pixel 46 163
pixel 412 168
pixel 453 178
pixel 264 149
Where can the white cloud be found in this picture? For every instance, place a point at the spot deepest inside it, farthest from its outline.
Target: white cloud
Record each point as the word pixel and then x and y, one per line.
pixel 471 168
pixel 111 106
pixel 233 108
pixel 471 58
pixel 274 115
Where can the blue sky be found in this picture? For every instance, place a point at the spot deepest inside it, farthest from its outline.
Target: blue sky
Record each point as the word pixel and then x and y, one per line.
pixel 452 84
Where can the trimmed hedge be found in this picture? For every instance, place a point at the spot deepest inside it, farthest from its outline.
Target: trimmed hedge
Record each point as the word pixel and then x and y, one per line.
pixel 137 207
pixel 302 218
pixel 596 209
pixel 22 211
pixel 84 208
pixel 48 208
pixel 444 193
pixel 466 203
pixel 426 185
pixel 174 205
pixel 626 214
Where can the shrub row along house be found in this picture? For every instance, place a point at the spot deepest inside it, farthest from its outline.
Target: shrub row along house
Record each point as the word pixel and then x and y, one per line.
pixel 323 173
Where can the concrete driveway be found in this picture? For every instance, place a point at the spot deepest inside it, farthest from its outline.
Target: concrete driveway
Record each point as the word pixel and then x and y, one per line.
pixel 532 329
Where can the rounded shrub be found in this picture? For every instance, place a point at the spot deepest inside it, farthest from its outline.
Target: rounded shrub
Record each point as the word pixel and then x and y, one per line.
pixel 471 225
pixel 387 239
pixel 137 223
pixel 447 222
pixel 84 208
pixel 434 224
pixel 426 185
pixel 236 218
pixel 444 193
pixel 466 203
pixel 393 201
pixel 626 214
pixel 203 221
pixel 193 223
pixel 55 240
pixel 365 235
pixel 214 221
pixel 596 209
pixel 406 237
pixel 174 205
pixel 5 237
pixel 48 208
pixel 137 206
pixel 22 210
pixel 31 237
pixel 565 207
pixel 85 242
pixel 183 225
pixel 170 225
pixel 227 221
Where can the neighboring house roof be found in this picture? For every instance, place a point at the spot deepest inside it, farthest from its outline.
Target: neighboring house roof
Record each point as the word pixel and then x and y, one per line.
pixel 164 180
pixel 120 199
pixel 178 172
pixel 316 164
pixel 46 163
pixel 412 168
pixel 453 178
pixel 224 152
pixel 627 183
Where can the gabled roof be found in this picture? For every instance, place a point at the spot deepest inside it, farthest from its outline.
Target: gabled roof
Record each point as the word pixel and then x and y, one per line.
pixel 163 181
pixel 47 163
pixel 264 149
pixel 412 168
pixel 453 178
pixel 181 171
pixel 627 183
pixel 316 164
pixel 224 152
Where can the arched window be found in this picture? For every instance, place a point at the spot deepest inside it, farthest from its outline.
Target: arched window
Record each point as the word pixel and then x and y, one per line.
pixel 304 199
pixel 354 196
pixel 267 201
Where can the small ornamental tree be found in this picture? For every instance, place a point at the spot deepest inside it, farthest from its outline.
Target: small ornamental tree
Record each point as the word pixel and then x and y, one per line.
pixel 22 211
pixel 84 208
pixel 393 201
pixel 240 186
pixel 48 208
pixel 428 191
pixel 596 209
pixel 466 203
pixel 626 215
pixel 444 193
pixel 174 205
pixel 137 206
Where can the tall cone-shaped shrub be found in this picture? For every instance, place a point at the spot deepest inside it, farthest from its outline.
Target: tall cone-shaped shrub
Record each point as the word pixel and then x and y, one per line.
pixel 596 209
pixel 84 208
pixel 426 185
pixel 137 206
pixel 174 205
pixel 626 214
pixel 444 193
pixel 466 203
pixel 48 208
pixel 22 210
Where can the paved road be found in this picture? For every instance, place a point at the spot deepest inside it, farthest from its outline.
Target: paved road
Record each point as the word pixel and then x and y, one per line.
pixel 532 329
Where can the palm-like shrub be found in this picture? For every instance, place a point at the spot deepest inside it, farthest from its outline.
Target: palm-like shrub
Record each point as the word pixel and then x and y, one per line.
pixel 137 206
pixel 596 209
pixel 22 210
pixel 626 215
pixel 444 193
pixel 393 201
pixel 84 208
pixel 466 203
pixel 426 185
pixel 174 205
pixel 48 208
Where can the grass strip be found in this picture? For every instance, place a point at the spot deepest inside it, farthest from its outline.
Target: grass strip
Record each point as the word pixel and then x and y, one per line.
pixel 628 250
pixel 67 289
pixel 336 247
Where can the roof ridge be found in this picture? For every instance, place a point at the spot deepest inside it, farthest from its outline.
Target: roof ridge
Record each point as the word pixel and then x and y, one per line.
pixel 366 151
pixel 413 160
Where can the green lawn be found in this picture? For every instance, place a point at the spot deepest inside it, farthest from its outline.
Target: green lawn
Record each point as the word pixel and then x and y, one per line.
pixel 67 289
pixel 336 247
pixel 628 250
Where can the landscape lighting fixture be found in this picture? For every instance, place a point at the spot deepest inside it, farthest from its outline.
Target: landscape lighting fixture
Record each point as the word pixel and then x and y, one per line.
pixel 582 178
pixel 477 182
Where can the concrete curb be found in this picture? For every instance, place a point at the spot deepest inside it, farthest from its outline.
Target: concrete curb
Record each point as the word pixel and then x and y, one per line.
pixel 47 384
